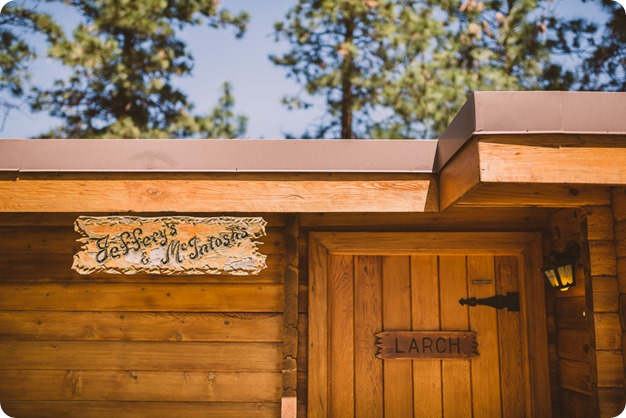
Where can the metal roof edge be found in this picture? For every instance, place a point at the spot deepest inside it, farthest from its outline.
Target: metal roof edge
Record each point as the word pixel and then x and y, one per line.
pixel 217 155
pixel 484 113
pixel 533 112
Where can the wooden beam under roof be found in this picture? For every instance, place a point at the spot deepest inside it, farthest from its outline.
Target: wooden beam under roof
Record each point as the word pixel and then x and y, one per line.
pixel 554 170
pixel 213 192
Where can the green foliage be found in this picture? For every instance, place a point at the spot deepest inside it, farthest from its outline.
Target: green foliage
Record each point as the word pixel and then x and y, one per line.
pixel 348 52
pixel 15 53
pixel 402 68
pixel 124 56
pixel 602 48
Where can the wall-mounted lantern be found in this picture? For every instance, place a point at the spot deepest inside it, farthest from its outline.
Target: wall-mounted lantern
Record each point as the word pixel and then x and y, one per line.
pixel 560 268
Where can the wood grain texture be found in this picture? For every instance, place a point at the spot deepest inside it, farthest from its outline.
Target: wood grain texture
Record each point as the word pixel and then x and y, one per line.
pixel 612 402
pixel 397 375
pixel 368 317
pixel 456 374
pixel 573 344
pixel 485 370
pixel 318 369
pixel 93 355
pixel 576 405
pixel 510 341
pixel 64 240
pixel 73 409
pixel 504 195
pixel 289 400
pixel 571 312
pixel 427 395
pixel 618 203
pixel 135 326
pixel 608 331
pixel 169 245
pixel 66 219
pixel 533 160
pixel 610 367
pixel 534 330
pixel 162 386
pixel 219 193
pixel 460 175
pixel 143 297
pixel 341 334
pixel 605 294
pixel 599 223
pixel 575 376
pixel 602 258
pixel 25 268
pixel 487 219
pixel 414 243
pixel 621 274
pixel 620 239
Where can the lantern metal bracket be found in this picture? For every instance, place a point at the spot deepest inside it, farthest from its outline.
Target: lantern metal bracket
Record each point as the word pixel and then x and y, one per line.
pixel 510 301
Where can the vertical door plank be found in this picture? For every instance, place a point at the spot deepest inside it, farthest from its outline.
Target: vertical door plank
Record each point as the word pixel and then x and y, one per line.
pixel 318 331
pixel 510 336
pixel 427 399
pixel 341 329
pixel 456 382
pixel 484 321
pixel 534 331
pixel 367 323
pixel 398 376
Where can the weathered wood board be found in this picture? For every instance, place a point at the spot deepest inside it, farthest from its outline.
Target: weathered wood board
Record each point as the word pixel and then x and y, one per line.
pixel 426 345
pixel 169 245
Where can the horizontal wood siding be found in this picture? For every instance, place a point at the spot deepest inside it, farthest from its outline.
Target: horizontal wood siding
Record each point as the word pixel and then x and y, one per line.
pixel 569 333
pixel 141 345
pixel 587 330
pixel 612 399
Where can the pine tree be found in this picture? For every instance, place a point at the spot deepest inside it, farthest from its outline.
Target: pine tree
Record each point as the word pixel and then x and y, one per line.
pixel 16 22
pixel 348 51
pixel 124 56
pixel 602 48
pixel 401 68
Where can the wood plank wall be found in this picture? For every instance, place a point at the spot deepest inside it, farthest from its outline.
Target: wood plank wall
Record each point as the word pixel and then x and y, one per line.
pixel 585 335
pixel 485 219
pixel 141 345
pixel 618 203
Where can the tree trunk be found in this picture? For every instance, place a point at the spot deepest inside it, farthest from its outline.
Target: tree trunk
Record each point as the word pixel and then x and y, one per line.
pixel 347 71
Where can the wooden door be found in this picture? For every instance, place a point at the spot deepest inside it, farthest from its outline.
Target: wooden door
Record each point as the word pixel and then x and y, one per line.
pixel 365 283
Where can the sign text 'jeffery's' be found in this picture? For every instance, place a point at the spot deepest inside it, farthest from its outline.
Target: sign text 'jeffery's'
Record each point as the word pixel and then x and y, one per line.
pixel 169 245
pixel 426 344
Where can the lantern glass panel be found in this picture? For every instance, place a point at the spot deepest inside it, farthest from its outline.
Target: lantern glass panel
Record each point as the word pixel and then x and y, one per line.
pixel 566 274
pixel 551 276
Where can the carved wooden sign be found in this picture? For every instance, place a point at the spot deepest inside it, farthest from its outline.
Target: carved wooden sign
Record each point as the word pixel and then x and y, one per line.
pixel 426 344
pixel 169 245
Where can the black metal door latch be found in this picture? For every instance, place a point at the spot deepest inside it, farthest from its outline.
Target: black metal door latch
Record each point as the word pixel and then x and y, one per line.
pixel 510 301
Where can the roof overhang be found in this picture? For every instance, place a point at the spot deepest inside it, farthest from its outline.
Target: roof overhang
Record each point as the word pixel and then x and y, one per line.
pixel 569 146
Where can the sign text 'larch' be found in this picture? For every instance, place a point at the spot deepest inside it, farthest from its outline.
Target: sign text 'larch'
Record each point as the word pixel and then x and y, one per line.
pixel 426 344
pixel 169 245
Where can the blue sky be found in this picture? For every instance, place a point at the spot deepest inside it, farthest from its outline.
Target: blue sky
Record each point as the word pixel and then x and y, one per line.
pixel 258 84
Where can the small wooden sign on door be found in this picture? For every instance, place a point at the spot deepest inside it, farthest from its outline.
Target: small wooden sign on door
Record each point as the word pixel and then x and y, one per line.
pixel 169 245
pixel 426 345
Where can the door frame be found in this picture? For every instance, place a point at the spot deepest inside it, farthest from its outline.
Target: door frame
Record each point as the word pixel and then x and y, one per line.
pixel 525 245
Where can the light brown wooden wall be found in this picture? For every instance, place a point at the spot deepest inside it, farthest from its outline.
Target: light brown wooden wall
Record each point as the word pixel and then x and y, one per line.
pixel 528 219
pixel 586 333
pixel 618 203
pixel 105 345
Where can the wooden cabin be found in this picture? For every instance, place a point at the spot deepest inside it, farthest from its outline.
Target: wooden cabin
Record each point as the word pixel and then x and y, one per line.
pixel 370 252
